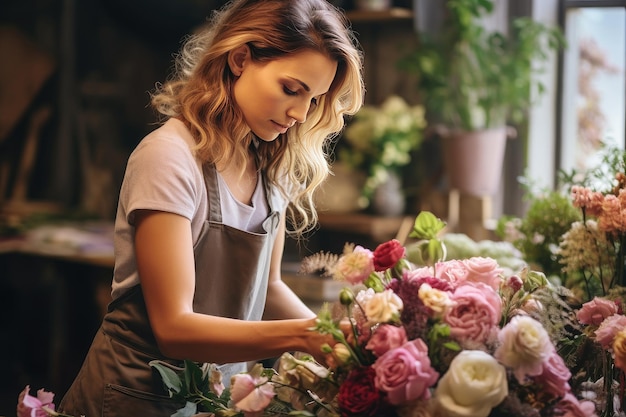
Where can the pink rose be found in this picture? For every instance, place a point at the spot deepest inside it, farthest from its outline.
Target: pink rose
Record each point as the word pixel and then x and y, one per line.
pixel 555 376
pixel 385 338
pixel 595 311
pixel 405 373
pixel 569 406
pixel 484 270
pixel 455 272
pixel 475 313
pixel 29 406
pixel 605 334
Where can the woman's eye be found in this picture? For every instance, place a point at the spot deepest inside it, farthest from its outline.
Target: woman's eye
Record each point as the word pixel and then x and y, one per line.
pixel 314 101
pixel 288 91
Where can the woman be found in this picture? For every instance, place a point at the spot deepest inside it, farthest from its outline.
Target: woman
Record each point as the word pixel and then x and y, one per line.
pixel 206 199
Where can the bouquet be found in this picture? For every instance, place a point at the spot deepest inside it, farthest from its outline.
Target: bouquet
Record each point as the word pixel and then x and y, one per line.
pixel 447 338
pixel 439 338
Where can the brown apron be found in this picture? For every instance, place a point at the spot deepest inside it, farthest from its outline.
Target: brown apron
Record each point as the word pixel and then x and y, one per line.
pixel 232 268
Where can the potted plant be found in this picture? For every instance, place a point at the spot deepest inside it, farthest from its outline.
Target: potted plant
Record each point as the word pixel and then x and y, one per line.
pixel 377 143
pixel 473 82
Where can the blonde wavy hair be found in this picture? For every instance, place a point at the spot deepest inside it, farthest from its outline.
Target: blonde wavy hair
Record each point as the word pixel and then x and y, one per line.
pixel 200 93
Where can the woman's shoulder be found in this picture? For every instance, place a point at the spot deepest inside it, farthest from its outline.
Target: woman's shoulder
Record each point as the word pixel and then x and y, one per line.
pixel 171 135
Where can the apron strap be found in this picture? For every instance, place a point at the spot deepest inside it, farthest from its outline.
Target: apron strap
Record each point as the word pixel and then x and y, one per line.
pixel 213 195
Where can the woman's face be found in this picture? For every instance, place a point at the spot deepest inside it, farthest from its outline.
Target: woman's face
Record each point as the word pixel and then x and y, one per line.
pixel 274 95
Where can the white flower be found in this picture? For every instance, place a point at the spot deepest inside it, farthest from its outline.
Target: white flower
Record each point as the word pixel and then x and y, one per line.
pixel 437 300
pixel 383 307
pixel 524 346
pixel 473 385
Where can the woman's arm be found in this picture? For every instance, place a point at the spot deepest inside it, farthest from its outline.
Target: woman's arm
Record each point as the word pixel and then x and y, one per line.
pixel 282 302
pixel 163 245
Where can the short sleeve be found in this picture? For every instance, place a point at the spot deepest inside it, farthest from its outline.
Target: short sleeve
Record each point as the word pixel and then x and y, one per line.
pixel 162 174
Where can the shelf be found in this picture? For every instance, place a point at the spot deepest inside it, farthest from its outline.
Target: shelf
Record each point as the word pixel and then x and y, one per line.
pixel 393 14
pixel 378 228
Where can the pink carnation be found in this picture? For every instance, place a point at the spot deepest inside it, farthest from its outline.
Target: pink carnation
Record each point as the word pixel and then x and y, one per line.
pixel 605 334
pixel 485 270
pixel 613 216
pixel 355 267
pixel 475 314
pixel 585 198
pixel 385 338
pixel 405 373
pixel 595 311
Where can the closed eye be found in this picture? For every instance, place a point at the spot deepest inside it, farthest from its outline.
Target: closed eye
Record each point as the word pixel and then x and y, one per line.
pixel 288 91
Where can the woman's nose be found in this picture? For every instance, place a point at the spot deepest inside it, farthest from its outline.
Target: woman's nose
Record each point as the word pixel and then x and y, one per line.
pixel 298 112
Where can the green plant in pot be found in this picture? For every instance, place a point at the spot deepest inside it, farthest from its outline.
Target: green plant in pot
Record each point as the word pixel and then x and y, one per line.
pixel 474 82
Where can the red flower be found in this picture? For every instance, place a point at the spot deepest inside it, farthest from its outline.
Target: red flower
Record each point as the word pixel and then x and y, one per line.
pixel 358 395
pixel 388 254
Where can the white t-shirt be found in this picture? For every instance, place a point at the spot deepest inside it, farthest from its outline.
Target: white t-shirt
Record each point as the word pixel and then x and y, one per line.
pixel 163 174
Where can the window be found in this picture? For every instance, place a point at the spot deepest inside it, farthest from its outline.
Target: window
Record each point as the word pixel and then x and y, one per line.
pixel 593 90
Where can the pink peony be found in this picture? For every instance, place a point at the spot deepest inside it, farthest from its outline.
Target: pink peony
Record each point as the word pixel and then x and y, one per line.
pixel 405 373
pixel 385 338
pixel 485 270
pixel 418 273
pixel 355 267
pixel 475 313
pixel 555 376
pixel 250 394
pixel 524 347
pixel 29 406
pixel 455 272
pixel 605 334
pixel 595 311
pixel 569 406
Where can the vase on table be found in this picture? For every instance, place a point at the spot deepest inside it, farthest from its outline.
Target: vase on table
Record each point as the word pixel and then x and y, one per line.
pixel 388 198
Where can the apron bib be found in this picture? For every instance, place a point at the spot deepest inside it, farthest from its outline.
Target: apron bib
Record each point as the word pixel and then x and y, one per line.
pixel 232 268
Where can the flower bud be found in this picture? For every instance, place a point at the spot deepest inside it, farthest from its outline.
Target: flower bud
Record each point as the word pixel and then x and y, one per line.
pixel 346 297
pixel 341 353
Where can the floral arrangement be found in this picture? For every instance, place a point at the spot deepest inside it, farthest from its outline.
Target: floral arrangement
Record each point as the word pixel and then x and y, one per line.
pixel 442 338
pixel 379 140
pixel 587 253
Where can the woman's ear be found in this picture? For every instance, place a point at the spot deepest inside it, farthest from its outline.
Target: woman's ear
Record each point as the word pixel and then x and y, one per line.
pixel 237 59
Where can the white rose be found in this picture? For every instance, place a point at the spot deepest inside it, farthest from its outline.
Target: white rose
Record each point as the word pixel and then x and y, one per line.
pixel 473 385
pixel 383 307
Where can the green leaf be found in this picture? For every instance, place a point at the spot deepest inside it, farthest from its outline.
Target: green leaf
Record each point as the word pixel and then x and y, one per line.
pixel 170 378
pixel 194 380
